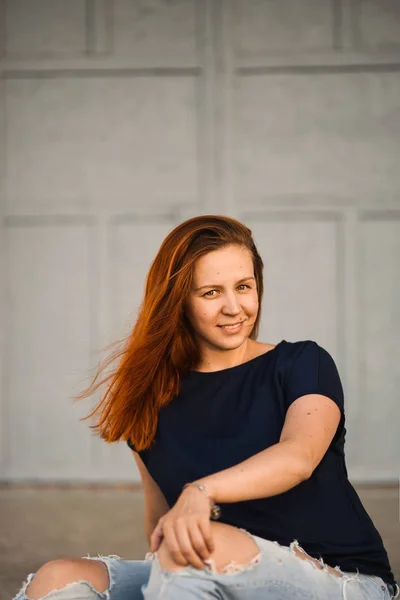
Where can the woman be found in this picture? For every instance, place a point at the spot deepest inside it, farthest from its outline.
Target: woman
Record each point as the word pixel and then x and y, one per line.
pixel 225 427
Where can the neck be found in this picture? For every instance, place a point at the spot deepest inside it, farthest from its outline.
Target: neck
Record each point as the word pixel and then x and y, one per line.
pixel 213 359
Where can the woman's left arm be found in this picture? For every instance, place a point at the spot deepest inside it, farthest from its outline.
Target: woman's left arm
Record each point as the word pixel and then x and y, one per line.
pixel 314 404
pixel 310 425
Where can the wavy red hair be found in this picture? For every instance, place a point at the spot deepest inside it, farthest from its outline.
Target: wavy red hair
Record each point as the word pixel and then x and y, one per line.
pixel 162 348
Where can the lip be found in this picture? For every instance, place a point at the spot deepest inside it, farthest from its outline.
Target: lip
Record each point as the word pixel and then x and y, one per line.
pixel 231 324
pixel 232 329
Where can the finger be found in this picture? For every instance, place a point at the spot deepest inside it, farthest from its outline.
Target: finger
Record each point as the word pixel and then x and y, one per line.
pixel 198 542
pixel 206 532
pixel 173 546
pixel 184 534
pixel 156 537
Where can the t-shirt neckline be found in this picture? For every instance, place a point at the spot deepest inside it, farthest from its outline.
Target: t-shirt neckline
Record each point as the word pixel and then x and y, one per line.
pixel 243 364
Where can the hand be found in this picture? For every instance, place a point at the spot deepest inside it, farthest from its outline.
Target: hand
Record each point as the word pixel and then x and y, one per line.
pixel 186 529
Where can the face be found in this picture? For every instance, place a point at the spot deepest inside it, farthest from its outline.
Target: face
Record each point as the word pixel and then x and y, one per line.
pixel 223 302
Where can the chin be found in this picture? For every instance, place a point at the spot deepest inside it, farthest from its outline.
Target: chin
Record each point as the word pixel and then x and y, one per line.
pixel 229 344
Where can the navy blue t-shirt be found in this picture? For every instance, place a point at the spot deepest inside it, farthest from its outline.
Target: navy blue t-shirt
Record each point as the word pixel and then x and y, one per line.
pixel 221 418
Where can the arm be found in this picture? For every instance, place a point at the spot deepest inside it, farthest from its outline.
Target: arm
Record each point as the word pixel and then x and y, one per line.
pixel 314 408
pixel 310 424
pixel 155 504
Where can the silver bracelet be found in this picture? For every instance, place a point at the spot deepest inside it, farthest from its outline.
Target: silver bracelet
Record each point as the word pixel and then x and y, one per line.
pixel 215 511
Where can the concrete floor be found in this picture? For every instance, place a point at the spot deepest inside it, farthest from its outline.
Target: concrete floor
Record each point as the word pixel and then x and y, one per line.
pixel 38 525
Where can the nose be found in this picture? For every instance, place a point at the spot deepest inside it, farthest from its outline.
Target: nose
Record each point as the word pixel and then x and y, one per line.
pixel 231 305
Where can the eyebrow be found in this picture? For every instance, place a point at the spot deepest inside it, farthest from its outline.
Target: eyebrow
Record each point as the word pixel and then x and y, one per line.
pixel 217 286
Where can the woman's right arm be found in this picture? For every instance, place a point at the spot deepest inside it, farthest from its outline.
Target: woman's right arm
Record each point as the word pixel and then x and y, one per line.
pixel 155 504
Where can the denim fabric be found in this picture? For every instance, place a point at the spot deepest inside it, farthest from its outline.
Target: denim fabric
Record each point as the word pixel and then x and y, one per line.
pixel 127 578
pixel 276 573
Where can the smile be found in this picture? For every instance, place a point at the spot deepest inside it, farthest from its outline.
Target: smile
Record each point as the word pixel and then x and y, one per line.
pixel 234 328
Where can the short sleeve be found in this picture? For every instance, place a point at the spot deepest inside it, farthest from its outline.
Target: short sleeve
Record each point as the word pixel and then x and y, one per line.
pixel 314 371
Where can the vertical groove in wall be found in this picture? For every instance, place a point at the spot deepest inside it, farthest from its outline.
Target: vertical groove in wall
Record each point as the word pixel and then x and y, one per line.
pixel 355 25
pixel 108 11
pixel 103 11
pixel 98 26
pixel 337 24
pixel 349 26
pixel 341 296
pixel 349 325
pixel 225 67
pixel 98 289
pixel 205 141
pixel 359 318
pixel 90 41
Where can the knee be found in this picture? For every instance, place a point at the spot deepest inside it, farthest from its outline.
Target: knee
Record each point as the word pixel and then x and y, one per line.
pixel 166 558
pixel 232 546
pixel 57 574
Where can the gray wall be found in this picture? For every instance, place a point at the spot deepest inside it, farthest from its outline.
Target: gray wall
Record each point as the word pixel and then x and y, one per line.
pixel 120 119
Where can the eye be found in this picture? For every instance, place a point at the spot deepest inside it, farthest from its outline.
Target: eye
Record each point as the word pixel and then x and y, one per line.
pixel 208 294
pixel 243 285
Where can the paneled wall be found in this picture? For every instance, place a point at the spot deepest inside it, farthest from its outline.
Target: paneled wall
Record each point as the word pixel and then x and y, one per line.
pixel 120 118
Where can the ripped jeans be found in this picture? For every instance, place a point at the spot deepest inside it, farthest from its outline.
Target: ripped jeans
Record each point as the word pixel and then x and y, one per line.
pixel 275 573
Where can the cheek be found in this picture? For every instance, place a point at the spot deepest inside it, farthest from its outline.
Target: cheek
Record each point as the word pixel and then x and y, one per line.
pixel 201 314
pixel 252 304
pixel 205 315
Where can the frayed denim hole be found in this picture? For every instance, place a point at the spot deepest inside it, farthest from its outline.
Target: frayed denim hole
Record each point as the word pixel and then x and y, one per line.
pixel 109 562
pixel 183 571
pixel 236 568
pixel 22 591
pixel 348 580
pixel 321 566
pixel 370 583
pixel 232 568
pixel 149 556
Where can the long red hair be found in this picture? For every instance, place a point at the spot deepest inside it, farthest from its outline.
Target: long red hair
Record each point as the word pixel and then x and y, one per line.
pixel 162 348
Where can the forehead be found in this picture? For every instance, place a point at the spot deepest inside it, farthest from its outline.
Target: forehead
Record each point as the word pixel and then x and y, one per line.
pixel 230 262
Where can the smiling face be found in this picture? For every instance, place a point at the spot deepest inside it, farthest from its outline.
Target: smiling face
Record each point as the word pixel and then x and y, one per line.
pixel 223 303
